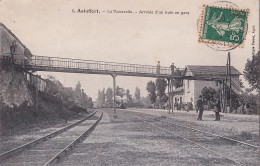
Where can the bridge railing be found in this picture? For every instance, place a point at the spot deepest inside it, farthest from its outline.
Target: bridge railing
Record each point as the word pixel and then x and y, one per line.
pixel 55 62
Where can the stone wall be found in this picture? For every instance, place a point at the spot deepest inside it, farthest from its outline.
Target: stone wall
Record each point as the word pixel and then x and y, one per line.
pixel 13 86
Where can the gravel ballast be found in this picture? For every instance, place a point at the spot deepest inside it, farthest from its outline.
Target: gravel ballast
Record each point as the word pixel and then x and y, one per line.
pixel 126 140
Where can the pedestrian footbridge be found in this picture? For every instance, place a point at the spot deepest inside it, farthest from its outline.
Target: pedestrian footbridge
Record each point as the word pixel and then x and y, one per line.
pixel 69 65
pixel 55 64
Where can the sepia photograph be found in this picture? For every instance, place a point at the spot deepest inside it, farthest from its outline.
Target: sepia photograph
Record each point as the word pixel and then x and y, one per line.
pixel 140 82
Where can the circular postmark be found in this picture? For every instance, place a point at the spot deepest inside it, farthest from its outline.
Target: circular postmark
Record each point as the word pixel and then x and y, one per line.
pixel 222 26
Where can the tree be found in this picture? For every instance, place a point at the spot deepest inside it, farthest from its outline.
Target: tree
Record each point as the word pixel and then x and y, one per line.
pixel 237 100
pixel 151 88
pixel 146 101
pixel 241 83
pixel 80 96
pixel 99 93
pixel 164 98
pixel 109 96
pixel 208 95
pixel 101 97
pixel 90 102
pixel 53 86
pixel 137 94
pixel 177 82
pixel 120 91
pixel 84 99
pixel 252 100
pixel 78 87
pixel 251 71
pixel 161 84
pixel 128 96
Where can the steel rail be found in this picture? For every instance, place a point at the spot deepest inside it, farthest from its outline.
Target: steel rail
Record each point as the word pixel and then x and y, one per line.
pixel 7 154
pixel 167 131
pixel 216 135
pixel 73 143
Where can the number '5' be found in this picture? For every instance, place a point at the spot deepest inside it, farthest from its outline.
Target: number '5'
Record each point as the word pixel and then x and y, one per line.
pixel 234 37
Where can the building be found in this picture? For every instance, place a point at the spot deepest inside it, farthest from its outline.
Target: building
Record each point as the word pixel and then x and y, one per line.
pixel 191 89
pixel 14 84
pixel 36 81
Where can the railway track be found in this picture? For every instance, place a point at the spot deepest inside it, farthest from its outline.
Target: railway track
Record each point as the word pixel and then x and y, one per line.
pixel 210 142
pixel 214 135
pixel 52 147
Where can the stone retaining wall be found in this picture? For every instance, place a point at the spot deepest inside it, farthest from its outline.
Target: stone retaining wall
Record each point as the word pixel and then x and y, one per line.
pixel 13 88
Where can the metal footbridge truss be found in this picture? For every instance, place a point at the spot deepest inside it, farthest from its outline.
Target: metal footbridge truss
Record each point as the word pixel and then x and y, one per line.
pixel 68 65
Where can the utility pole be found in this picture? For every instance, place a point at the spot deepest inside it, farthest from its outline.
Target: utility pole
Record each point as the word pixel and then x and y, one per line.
pixel 114 88
pixel 223 95
pixel 36 100
pixel 225 87
pixel 169 100
pixel 230 83
pixel 172 96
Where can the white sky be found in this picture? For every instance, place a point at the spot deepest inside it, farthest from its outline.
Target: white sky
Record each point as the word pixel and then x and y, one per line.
pixel 49 28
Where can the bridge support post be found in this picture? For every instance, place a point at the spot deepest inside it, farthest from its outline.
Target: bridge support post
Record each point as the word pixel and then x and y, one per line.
pixel 36 102
pixel 114 92
pixel 171 89
pixel 169 98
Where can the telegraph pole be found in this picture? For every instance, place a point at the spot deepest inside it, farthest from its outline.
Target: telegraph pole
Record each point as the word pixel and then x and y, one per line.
pixel 169 100
pixel 36 99
pixel 172 96
pixel 225 87
pixel 230 83
pixel 223 95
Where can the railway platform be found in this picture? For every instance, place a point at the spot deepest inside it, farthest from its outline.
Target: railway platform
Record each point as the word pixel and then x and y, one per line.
pixel 229 124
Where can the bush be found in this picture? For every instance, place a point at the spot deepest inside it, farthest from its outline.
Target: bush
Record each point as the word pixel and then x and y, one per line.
pixel 50 109
pixel 135 105
pixel 122 106
pixel 78 109
pixel 16 116
pixel 149 106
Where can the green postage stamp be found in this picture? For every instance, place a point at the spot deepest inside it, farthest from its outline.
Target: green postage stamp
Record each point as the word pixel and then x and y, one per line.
pixel 223 26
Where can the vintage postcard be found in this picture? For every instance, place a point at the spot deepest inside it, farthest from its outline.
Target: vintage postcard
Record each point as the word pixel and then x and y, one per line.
pixel 140 82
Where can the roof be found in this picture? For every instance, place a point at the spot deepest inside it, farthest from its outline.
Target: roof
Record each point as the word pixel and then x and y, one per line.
pixel 198 70
pixel 178 90
pixel 27 51
pixel 9 31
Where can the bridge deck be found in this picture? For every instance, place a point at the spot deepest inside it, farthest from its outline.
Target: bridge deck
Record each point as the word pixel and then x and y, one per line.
pixel 55 64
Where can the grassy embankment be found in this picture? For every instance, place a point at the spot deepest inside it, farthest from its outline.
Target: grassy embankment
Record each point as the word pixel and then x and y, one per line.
pixel 51 110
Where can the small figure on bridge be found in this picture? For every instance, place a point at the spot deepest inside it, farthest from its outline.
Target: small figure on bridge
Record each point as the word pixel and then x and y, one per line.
pixel 12 50
pixel 158 68
pixel 172 68
pixel 200 107
pixel 217 109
